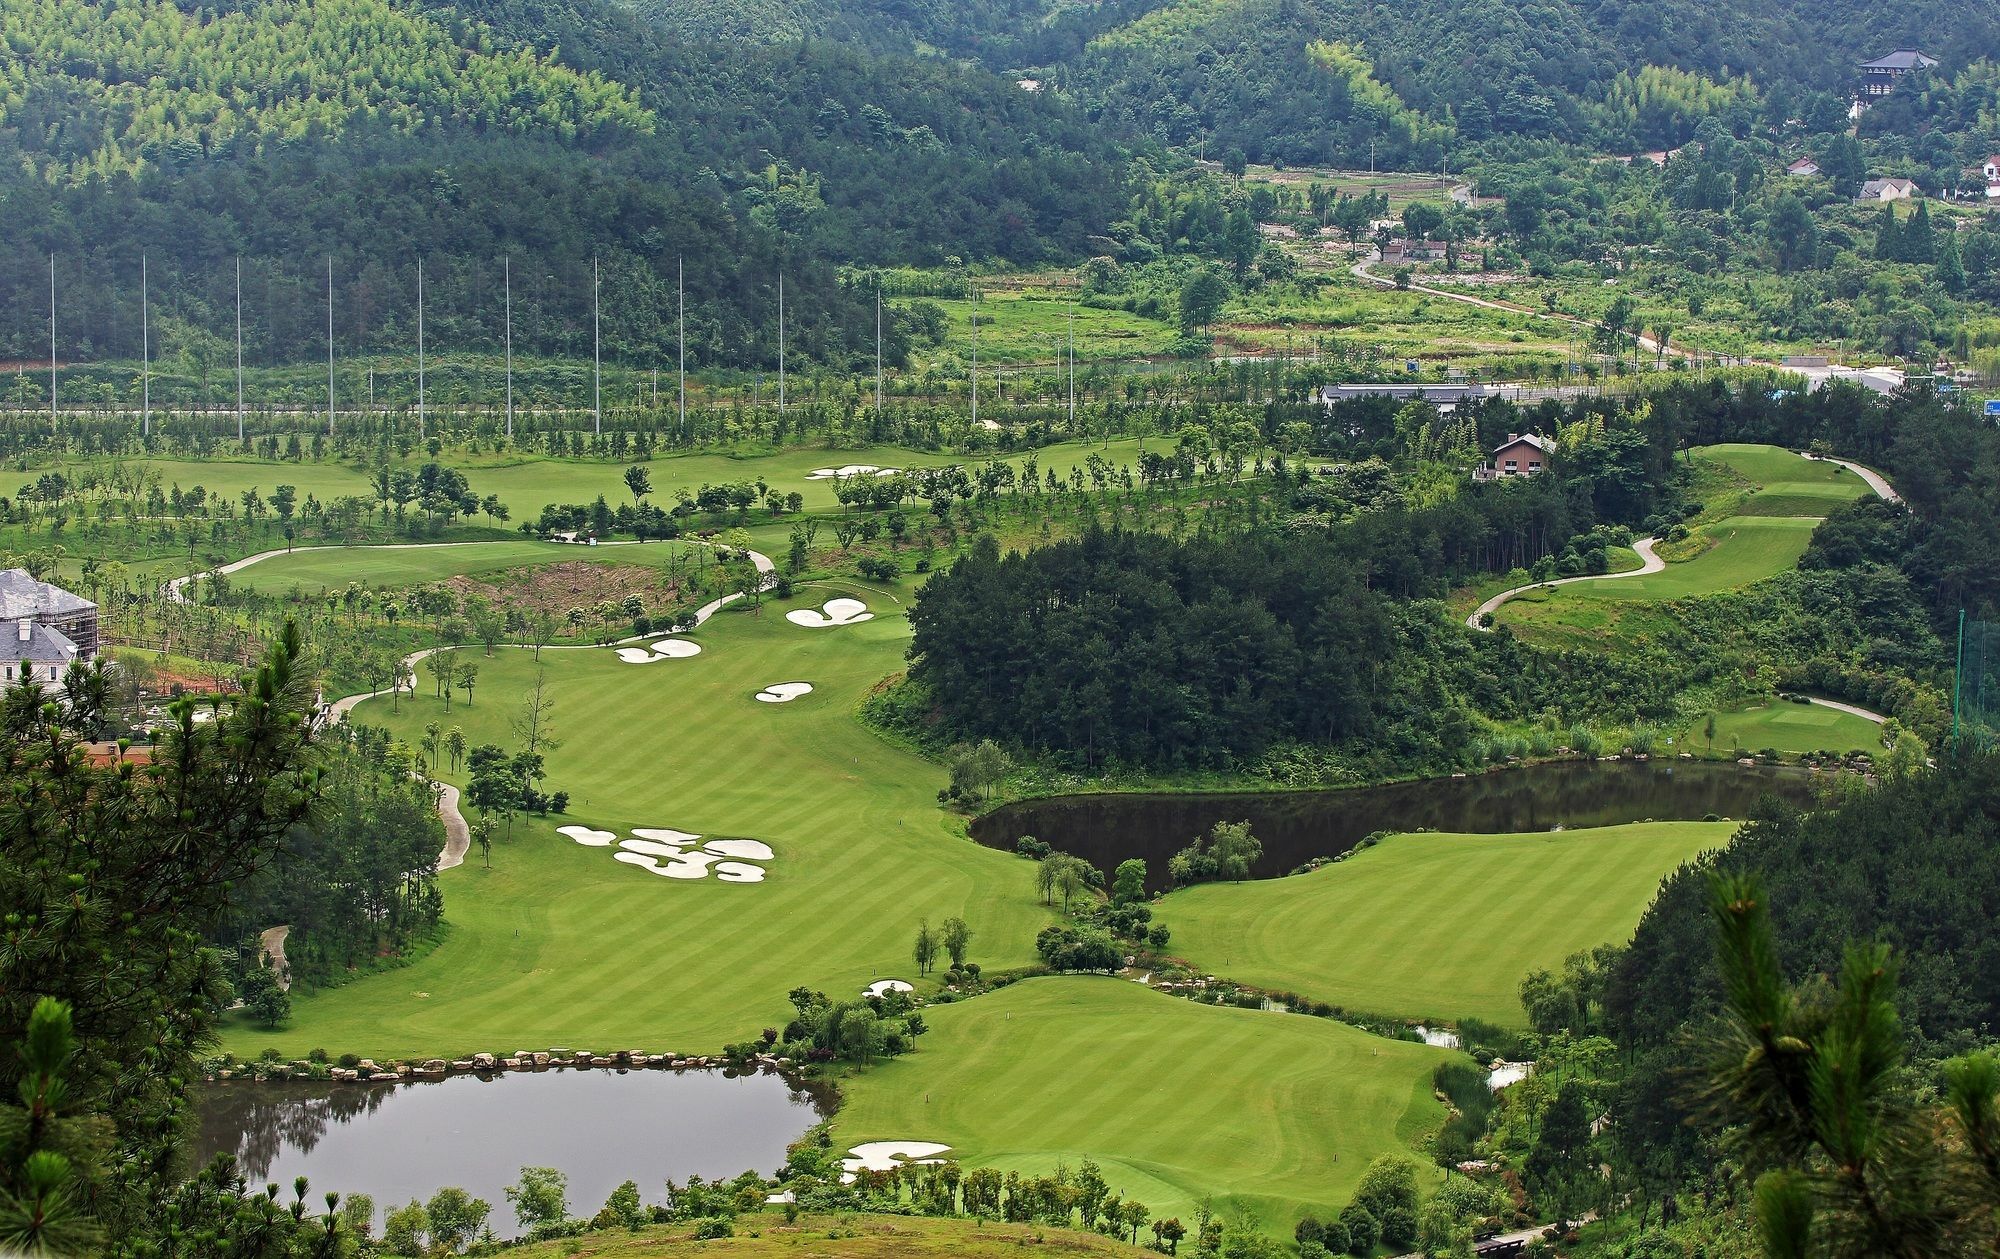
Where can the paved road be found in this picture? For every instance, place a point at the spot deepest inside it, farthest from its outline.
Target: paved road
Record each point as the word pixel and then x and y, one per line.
pixel 1650 562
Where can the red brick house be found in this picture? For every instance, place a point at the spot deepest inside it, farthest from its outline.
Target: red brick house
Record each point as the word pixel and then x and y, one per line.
pixel 1522 454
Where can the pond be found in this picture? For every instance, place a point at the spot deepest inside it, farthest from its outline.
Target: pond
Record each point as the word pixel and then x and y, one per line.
pixel 1297 826
pixel 399 1141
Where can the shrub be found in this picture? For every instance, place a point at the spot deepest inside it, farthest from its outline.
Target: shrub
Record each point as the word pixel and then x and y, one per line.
pixel 1362 1230
pixel 711 1227
pixel 350 1061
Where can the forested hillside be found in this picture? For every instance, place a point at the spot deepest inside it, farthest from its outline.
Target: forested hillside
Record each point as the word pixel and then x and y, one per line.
pixel 1247 75
pixel 131 126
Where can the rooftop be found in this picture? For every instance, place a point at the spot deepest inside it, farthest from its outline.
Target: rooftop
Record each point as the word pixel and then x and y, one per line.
pixel 1901 59
pixel 1533 439
pixel 35 643
pixel 21 595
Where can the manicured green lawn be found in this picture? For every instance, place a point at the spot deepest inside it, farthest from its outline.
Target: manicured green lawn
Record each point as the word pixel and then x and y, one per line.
pixel 559 944
pixel 1728 555
pixel 335 567
pixel 1786 727
pixel 1773 481
pixel 1268 1113
pixel 1431 925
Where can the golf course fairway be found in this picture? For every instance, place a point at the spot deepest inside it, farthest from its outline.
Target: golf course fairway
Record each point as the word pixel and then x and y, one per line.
pixel 560 944
pixel 1435 926
pixel 1266 1113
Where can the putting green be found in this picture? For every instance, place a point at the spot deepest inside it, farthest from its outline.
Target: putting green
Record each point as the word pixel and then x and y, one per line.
pixel 395 567
pixel 1787 727
pixel 1435 926
pixel 560 944
pixel 1267 1113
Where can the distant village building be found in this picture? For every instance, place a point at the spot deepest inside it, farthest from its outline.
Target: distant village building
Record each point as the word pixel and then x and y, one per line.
pixel 1879 77
pixel 1522 454
pixel 23 598
pixel 1804 168
pixel 1413 250
pixel 1990 170
pixel 1887 190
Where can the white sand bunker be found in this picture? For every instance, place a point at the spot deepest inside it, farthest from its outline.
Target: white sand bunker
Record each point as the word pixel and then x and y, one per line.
pixel 887 1156
pixel 783 692
pixel 664 649
pixel 832 612
pixel 883 987
pixel 587 837
pixel 672 855
pixel 848 470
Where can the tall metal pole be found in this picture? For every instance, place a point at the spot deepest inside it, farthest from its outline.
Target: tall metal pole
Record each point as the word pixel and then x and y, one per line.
pixel 239 350
pixel 975 358
pixel 1072 364
pixel 329 345
pixel 52 343
pixel 878 349
pixel 681 338
pixel 145 354
pixel 420 348
pixel 507 274
pixel 781 343
pixel 596 357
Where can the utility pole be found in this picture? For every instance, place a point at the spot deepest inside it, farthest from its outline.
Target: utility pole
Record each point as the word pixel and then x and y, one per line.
pixel 52 343
pixel 878 348
pixel 329 345
pixel 781 343
pixel 1072 364
pixel 596 357
pixel 239 349
pixel 681 337
pixel 507 282
pixel 420 348
pixel 975 358
pixel 145 354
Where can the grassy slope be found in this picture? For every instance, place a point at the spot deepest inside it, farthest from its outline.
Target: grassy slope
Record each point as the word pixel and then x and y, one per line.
pixel 526 482
pixel 1433 925
pixel 395 567
pixel 1267 1112
pixel 1787 727
pixel 558 944
pixel 839 1237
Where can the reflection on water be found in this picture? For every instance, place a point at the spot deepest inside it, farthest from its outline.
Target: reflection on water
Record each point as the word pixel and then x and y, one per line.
pixel 396 1142
pixel 1296 827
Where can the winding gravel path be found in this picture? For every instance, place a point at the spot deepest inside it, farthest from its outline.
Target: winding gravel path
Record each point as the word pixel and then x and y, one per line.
pixel 1650 562
pixel 1883 490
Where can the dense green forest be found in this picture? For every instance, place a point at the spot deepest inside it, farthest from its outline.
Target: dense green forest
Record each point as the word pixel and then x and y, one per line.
pixel 793 160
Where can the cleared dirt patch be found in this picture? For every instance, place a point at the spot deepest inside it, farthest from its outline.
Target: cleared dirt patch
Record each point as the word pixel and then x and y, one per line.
pixel 556 588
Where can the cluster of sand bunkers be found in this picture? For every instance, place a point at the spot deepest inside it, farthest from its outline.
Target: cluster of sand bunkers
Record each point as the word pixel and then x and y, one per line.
pixel 664 649
pixel 680 855
pixel 832 613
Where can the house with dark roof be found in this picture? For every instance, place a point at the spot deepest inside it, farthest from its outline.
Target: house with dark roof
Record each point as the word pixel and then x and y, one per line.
pixel 23 597
pixel 1879 77
pixel 34 651
pixel 1522 454
pixel 1804 168
pixel 1887 190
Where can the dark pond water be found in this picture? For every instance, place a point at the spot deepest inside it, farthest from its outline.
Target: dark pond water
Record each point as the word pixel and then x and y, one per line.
pixel 396 1142
pixel 1295 827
